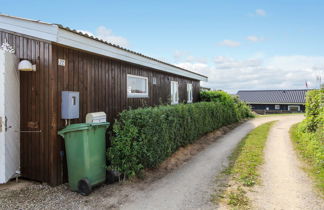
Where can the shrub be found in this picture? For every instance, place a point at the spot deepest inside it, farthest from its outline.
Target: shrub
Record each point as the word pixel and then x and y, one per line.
pixel 314 110
pixel 242 110
pixel 216 96
pixel 144 137
pixel 310 146
pixel 308 136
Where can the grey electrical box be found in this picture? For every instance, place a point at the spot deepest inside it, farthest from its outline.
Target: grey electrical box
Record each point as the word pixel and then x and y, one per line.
pixel 70 105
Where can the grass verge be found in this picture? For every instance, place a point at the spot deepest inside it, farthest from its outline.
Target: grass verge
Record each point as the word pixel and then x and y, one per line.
pixel 311 150
pixel 242 172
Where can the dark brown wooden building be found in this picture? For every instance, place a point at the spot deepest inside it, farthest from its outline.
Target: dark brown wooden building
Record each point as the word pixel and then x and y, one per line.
pixel 108 78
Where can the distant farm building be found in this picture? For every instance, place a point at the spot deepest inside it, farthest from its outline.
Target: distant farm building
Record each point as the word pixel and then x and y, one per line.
pixel 274 101
pixel 204 88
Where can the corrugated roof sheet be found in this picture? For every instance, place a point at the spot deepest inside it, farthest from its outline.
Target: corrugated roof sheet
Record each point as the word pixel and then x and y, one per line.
pixel 273 96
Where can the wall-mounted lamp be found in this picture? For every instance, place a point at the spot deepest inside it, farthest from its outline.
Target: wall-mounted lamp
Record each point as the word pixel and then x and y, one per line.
pixel 26 65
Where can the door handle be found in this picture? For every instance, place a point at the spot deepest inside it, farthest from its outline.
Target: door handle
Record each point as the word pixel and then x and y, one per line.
pixel 6 123
pixel 30 131
pixel 0 124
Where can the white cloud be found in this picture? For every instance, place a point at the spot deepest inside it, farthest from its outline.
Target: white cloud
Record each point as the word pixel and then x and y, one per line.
pixel 279 72
pixel 184 56
pixel 297 62
pixel 201 68
pixel 179 55
pixel 223 62
pixel 254 38
pixel 260 12
pixel 229 43
pixel 107 35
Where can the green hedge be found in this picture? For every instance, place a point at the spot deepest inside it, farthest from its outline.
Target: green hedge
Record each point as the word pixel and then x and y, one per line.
pixel 310 146
pixel 144 137
pixel 314 110
pixel 242 110
pixel 308 136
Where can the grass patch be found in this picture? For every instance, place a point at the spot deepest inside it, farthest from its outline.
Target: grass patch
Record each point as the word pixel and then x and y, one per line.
pixel 238 198
pixel 242 171
pixel 310 147
pixel 249 155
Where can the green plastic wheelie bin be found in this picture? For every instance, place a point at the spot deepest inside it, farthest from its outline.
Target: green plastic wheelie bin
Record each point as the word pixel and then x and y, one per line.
pixel 85 146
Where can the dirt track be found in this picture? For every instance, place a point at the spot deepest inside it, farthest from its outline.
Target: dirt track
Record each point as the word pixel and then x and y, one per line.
pixel 285 184
pixel 190 186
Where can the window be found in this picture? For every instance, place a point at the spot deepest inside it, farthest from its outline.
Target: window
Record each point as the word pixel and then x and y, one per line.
pixel 294 108
pixel 189 93
pixel 174 92
pixel 277 106
pixel 137 86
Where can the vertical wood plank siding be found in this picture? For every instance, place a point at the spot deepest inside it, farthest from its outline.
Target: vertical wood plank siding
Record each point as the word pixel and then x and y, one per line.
pixel 101 82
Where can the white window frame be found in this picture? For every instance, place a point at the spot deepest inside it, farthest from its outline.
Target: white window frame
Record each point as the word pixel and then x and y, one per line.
pixel 289 106
pixel 138 95
pixel 277 106
pixel 189 93
pixel 174 98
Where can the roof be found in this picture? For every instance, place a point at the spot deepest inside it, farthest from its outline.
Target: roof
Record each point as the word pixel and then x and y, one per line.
pixel 76 39
pixel 273 96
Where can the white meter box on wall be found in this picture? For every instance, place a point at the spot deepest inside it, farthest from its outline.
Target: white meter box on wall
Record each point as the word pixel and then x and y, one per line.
pixel 70 105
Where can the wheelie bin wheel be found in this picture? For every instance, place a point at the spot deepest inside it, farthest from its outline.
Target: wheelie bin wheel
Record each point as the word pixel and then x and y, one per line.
pixel 84 187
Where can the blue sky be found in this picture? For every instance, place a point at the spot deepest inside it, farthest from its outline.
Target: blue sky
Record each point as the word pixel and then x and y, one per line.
pixel 238 44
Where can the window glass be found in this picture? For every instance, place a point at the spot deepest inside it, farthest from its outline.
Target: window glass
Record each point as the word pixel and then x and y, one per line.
pixel 277 106
pixel 174 92
pixel 137 86
pixel 293 108
pixel 189 93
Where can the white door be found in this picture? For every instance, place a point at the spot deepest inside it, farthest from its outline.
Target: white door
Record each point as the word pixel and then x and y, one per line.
pixel 9 116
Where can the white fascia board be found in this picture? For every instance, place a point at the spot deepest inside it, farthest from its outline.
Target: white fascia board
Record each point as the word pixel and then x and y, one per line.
pixel 77 41
pixel 30 28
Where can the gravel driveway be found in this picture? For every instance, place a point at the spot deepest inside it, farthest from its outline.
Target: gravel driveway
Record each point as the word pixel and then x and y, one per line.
pixel 188 187
pixel 285 184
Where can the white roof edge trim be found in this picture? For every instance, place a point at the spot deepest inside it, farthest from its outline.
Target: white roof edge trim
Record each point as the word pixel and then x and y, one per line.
pixel 53 33
pixel 32 28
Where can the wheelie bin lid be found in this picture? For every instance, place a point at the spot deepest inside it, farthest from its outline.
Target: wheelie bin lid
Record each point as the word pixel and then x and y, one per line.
pixel 80 126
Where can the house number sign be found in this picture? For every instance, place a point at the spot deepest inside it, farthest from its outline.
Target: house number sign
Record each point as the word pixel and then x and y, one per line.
pixel 61 62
